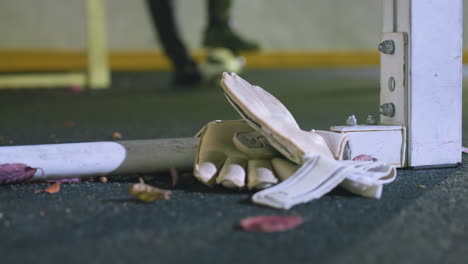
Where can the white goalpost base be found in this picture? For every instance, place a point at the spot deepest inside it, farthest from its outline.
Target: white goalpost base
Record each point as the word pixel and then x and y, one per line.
pixel 422 77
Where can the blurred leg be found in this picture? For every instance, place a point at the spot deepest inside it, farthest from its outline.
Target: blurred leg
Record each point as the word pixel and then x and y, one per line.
pixel 218 13
pixel 162 14
pixel 219 32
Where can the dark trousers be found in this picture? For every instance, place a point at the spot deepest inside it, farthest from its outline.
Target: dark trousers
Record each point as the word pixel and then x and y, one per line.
pixel 163 17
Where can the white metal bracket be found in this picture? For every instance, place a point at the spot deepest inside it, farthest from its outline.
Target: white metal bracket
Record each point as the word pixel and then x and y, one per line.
pixel 393 77
pixel 367 139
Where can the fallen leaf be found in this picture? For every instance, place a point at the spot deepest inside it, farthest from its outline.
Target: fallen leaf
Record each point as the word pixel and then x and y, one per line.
pixel 75 89
pixel 69 124
pixel 157 240
pixel 175 176
pixel 37 191
pixel 148 193
pixel 422 186
pixel 464 149
pixel 103 179
pixel 54 188
pixel 65 180
pixel 180 178
pixel 117 135
pixel 364 157
pixel 272 223
pixel 15 172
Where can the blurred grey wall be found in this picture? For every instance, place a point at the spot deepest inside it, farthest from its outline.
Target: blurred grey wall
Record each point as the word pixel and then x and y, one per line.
pixel 316 25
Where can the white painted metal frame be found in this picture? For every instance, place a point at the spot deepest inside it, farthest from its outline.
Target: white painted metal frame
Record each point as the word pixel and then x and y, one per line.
pixel 97 75
pixel 431 94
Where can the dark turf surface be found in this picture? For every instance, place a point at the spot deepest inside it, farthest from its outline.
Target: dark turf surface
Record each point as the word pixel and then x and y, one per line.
pixel 93 222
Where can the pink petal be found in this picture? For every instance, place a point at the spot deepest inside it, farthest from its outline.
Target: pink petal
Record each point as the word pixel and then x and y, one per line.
pixel 15 172
pixel 272 223
pixel 464 149
pixel 364 157
pixel 66 180
pixel 75 89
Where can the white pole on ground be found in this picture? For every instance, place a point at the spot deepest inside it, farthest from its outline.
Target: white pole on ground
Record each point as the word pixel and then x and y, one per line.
pixel 59 161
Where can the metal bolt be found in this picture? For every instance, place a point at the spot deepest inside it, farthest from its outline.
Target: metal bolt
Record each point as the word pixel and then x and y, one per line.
pixel 370 120
pixel 387 47
pixel 391 84
pixel 387 109
pixel 351 121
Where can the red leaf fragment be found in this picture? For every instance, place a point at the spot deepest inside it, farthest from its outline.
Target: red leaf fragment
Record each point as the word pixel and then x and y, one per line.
pixel 15 172
pixel 65 180
pixel 54 188
pixel 271 223
pixel 364 157
pixel 75 89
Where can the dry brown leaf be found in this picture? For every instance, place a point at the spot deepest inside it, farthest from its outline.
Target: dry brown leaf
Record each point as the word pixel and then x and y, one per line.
pixel 157 240
pixel 54 188
pixel 69 124
pixel 103 179
pixel 117 135
pixel 180 178
pixel 175 176
pixel 148 193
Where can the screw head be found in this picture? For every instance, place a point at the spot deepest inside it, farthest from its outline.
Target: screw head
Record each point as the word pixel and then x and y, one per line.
pixel 387 109
pixel 351 121
pixel 387 47
pixel 370 120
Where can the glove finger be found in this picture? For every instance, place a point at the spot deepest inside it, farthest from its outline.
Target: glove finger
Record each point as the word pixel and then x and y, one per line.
pixel 260 174
pixel 283 168
pixel 372 171
pixel 384 173
pixel 208 166
pixel 363 189
pixel 232 174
